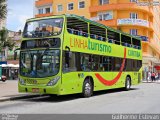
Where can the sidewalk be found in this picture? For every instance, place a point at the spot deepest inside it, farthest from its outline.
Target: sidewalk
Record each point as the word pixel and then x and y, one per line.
pixel 149 81
pixel 9 91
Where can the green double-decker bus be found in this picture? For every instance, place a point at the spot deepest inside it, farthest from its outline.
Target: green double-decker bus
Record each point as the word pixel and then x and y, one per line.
pixel 68 54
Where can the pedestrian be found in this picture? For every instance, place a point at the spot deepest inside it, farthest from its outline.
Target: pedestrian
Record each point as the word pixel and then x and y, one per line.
pixel 156 76
pixel 149 76
pixel 153 76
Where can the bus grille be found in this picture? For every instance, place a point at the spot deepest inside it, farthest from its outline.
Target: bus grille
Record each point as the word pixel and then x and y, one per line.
pixel 28 81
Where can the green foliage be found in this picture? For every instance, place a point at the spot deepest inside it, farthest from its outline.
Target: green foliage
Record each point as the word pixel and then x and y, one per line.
pixel 5 41
pixel 3 9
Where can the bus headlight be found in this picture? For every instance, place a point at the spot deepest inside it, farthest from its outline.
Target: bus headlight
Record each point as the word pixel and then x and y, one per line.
pixel 54 81
pixel 22 82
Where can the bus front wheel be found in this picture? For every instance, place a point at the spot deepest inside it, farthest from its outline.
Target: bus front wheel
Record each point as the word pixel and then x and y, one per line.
pixel 128 83
pixel 87 88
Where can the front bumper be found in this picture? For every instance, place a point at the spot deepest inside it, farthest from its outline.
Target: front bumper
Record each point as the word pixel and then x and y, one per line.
pixel 38 89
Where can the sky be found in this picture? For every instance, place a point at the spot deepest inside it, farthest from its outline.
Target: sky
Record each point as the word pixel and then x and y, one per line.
pixel 18 12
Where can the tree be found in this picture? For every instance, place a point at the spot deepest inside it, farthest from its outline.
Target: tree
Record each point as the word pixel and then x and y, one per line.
pixel 5 41
pixel 3 9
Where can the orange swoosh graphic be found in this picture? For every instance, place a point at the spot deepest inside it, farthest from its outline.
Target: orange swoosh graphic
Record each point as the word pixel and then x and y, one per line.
pixel 112 82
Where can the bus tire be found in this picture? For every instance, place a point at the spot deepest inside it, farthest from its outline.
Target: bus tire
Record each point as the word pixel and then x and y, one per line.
pixel 128 83
pixel 87 88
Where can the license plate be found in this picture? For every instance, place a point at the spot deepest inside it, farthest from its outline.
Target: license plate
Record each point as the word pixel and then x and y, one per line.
pixel 35 90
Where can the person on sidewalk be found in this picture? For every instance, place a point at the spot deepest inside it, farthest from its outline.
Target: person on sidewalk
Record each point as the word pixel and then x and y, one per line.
pixel 149 76
pixel 156 76
pixel 153 76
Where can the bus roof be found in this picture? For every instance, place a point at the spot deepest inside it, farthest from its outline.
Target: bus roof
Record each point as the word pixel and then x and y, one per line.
pixel 85 19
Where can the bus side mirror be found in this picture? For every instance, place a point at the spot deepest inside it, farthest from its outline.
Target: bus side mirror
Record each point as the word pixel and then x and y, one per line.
pixel 68 55
pixel 15 53
pixel 67 48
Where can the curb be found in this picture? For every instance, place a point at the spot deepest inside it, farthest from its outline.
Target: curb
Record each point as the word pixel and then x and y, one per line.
pixel 18 97
pixel 157 81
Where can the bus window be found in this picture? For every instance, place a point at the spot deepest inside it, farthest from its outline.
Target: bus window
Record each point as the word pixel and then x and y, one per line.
pixel 139 64
pixel 113 37
pixel 97 32
pixel 95 62
pixel 78 61
pixel 101 67
pixel 43 28
pixel 116 63
pixel 77 27
pixel 129 65
pixel 126 41
pixel 86 62
pixel 69 62
pixel 136 43
pixel 107 63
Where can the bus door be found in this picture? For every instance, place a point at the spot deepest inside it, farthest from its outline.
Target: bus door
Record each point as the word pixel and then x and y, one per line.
pixel 70 76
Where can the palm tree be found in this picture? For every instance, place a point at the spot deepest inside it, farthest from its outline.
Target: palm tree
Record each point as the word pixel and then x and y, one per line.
pixel 5 41
pixel 3 9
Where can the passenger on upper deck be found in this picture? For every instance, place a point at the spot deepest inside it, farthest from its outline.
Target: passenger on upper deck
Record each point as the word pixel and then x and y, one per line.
pixel 45 32
pixel 80 32
pixel 37 32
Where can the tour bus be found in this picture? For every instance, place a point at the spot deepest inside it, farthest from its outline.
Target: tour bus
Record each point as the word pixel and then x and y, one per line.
pixel 69 54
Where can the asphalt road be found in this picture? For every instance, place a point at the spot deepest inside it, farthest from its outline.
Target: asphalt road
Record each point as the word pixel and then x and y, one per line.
pixel 144 98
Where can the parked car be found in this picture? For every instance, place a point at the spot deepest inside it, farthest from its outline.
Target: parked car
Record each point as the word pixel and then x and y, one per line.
pixel 3 78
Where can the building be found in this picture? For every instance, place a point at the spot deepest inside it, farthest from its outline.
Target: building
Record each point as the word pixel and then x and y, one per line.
pixel 10 70
pixel 137 17
pixel 55 7
pixel 16 38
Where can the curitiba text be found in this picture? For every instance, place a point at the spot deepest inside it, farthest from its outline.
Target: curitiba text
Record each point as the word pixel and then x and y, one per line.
pixel 134 53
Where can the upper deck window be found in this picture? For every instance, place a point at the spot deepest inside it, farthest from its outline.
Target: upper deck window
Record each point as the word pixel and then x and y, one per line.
pixel 43 28
pixel 77 26
pixel 97 32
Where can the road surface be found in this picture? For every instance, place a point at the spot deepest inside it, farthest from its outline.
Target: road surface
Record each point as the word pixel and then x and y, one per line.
pixel 144 98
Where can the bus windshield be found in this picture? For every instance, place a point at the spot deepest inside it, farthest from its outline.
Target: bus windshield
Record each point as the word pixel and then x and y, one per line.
pixel 43 28
pixel 39 63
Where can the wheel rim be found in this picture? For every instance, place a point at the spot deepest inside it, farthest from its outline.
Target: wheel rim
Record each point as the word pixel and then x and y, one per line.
pixel 128 84
pixel 87 89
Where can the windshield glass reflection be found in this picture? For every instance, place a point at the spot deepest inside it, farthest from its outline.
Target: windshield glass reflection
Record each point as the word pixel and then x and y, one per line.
pixel 43 28
pixel 41 63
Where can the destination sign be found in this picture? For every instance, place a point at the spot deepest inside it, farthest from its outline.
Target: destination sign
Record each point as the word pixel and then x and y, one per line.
pixel 41 43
